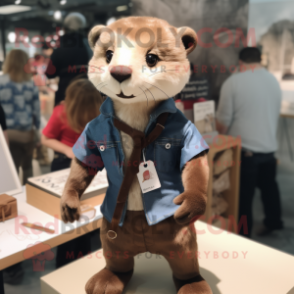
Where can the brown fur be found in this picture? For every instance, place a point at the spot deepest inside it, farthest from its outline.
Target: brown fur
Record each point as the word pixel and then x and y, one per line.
pixel 166 238
pixel 164 35
pixel 78 181
pixel 170 44
pixel 115 282
pixel 193 200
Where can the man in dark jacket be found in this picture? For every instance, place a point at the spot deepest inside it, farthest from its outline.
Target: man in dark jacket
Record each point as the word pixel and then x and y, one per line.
pixel 71 57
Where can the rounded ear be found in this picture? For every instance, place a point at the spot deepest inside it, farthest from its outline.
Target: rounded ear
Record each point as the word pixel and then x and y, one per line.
pixel 94 35
pixel 188 37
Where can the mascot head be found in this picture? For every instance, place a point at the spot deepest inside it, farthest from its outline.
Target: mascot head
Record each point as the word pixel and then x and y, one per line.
pixel 139 59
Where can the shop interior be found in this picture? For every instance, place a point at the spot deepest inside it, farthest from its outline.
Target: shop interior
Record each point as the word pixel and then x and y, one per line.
pixel 224 28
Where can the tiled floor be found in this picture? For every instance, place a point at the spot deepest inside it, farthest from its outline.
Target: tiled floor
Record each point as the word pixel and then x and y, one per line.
pixel 281 240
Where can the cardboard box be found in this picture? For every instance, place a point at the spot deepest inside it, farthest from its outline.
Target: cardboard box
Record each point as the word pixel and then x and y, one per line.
pixel 8 207
pixel 45 191
pixel 50 203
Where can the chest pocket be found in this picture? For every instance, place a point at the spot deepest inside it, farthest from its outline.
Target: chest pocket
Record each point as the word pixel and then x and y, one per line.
pixel 167 154
pixel 109 155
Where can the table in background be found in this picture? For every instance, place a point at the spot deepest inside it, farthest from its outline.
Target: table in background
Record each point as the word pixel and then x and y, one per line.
pixel 16 239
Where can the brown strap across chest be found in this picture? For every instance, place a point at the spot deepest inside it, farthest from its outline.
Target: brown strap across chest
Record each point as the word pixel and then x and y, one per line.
pixel 140 142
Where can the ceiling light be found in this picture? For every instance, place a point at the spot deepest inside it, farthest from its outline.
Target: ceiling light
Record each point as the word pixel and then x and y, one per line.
pixel 122 8
pixel 11 37
pixel 9 9
pixel 62 2
pixel 57 15
pixel 17 2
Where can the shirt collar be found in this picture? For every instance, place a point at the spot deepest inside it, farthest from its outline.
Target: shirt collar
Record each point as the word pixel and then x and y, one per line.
pixel 107 107
pixel 165 106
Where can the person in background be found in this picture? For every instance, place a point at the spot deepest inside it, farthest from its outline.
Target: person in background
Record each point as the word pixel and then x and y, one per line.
pixel 249 107
pixel 69 118
pixel 71 58
pixel 20 100
pixel 3 124
pixel 46 50
pixel 39 65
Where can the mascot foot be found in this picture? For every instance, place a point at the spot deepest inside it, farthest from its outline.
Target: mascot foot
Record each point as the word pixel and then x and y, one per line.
pixel 192 286
pixel 108 282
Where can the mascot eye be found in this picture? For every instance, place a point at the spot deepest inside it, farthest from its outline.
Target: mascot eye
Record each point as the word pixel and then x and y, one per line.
pixel 109 55
pixel 151 60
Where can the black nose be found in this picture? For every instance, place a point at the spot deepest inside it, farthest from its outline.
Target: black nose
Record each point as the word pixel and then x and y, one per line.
pixel 121 72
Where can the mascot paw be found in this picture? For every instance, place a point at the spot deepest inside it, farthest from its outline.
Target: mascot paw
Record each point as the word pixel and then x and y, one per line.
pixel 70 209
pixel 199 288
pixel 191 207
pixel 107 282
pixel 195 285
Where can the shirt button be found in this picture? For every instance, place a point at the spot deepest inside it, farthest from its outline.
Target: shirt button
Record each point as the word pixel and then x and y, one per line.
pixel 167 146
pixel 102 148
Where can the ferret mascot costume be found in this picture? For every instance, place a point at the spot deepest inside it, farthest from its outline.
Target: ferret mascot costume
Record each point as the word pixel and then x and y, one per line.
pixel 155 158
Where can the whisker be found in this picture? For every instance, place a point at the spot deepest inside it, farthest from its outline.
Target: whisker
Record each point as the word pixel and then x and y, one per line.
pixel 145 95
pixel 94 72
pixel 96 85
pixel 102 87
pixel 158 89
pixel 92 65
pixel 150 93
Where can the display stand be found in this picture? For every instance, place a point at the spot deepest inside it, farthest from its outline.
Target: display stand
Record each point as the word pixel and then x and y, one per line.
pixel 221 143
pixel 229 263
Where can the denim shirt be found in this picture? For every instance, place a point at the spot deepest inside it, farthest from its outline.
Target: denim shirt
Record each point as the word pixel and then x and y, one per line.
pixel 100 146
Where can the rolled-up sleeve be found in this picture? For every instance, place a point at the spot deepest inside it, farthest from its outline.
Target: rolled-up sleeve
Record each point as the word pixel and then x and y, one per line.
pixel 224 112
pixel 193 144
pixel 86 150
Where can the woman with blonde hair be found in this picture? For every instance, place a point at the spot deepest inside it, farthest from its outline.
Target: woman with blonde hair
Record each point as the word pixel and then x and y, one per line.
pixel 19 98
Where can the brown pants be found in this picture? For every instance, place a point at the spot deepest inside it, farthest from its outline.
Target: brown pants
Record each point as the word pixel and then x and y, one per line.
pixel 21 145
pixel 167 238
pixel 22 154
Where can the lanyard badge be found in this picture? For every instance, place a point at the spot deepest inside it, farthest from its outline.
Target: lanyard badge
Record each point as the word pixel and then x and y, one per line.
pixel 147 176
